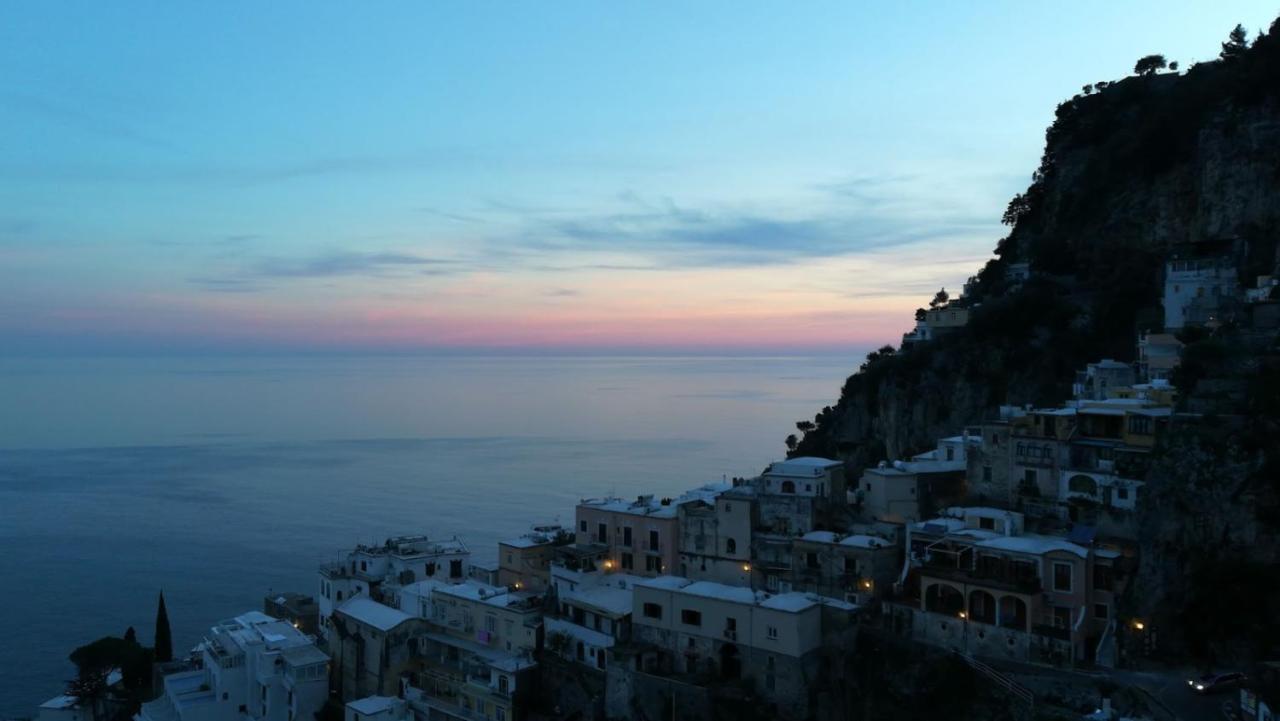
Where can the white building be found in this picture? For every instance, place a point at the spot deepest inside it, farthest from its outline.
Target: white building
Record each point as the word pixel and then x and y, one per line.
pixel 255 668
pixel 733 632
pixel 378 570
pixel 594 613
pixel 1195 289
pixel 377 708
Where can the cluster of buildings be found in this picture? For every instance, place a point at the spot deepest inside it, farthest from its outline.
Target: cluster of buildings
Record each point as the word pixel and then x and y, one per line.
pixel 1013 539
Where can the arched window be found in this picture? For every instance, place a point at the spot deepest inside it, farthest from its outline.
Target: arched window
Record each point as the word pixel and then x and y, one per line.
pixel 1082 484
pixel 788 486
pixel 730 546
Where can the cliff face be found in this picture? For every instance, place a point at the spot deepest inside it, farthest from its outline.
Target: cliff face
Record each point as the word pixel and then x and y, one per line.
pixel 1142 171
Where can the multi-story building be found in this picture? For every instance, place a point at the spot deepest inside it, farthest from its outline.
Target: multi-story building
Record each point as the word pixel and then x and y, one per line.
pixel 252 667
pixel 1197 290
pixel 799 494
pixel 909 490
pixel 524 562
pixel 1098 380
pixel 378 571
pixel 640 536
pixel 475 660
pixel 979 583
pixel 715 536
pixel 853 567
pixel 594 614
pixel 1158 355
pixel 704 630
pixel 371 645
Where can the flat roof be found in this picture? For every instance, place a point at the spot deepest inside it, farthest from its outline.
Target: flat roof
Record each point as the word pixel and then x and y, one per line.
pixel 373 704
pixel 372 613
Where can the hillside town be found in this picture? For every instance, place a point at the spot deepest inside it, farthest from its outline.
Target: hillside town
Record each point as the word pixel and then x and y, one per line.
pixel 1009 544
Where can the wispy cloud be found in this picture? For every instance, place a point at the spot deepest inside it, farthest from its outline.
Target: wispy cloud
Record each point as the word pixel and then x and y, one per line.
pixel 352 263
pixel 664 236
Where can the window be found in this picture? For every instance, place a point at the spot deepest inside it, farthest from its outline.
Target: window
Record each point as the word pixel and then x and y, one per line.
pixel 1122 492
pixel 602 532
pixel 690 617
pixel 1062 577
pixel 868 487
pixel 1029 476
pixel 1140 425
pixel 987 523
pixel 455 568
pixel 339 595
pixel 1102 578
pixel 653 541
pixel 727 508
pixel 788 487
pixel 510 559
pixel 582 526
pixel 811 560
pixel 808 488
pixel 730 546
pixel 626 535
pixel 364 566
pixel 772 632
pixel 1101 611
pixel 431 569
pixel 652 610
pixel 491 623
pixel 628 561
pixel 1081 483
pixel 986 474
pixel 951 453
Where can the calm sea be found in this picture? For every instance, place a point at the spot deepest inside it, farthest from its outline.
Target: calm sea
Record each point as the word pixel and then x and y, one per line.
pixel 218 480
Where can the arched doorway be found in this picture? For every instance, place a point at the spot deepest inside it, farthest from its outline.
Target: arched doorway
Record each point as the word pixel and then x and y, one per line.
pixel 941 598
pixel 982 606
pixel 1013 613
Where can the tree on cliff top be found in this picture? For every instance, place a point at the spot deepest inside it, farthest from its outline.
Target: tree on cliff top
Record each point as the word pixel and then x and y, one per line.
pixel 164 639
pixel 1237 42
pixel 1149 64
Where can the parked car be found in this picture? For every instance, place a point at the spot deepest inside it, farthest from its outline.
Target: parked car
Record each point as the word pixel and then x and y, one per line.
pixel 1215 682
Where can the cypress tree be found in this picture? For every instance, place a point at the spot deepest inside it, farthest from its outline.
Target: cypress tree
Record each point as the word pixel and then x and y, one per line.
pixel 164 641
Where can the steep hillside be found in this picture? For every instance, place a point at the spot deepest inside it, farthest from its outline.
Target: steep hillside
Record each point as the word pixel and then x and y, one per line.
pixel 1134 173
pixel 1144 168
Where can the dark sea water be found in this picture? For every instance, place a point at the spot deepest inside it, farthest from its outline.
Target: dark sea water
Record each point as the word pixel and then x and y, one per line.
pixel 220 479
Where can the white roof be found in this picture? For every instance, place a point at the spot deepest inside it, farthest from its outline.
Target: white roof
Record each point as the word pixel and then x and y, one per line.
pixel 586 635
pixel 609 599
pixel 61 702
pixel 373 704
pixel 1034 544
pixel 859 540
pixel 804 466
pixel 474 590
pixel 709 589
pixel 372 613
pixel 665 582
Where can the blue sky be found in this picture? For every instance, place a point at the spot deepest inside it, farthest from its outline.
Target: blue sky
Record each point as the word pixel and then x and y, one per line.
pixel 249 176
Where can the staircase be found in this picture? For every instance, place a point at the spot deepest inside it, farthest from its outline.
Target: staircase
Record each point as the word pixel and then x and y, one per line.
pixel 1014 688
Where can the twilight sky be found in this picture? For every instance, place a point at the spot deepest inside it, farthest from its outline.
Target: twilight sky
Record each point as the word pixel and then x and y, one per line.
pixel 713 176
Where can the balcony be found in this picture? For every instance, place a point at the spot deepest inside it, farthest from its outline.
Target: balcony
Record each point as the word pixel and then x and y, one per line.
pixel 1000 578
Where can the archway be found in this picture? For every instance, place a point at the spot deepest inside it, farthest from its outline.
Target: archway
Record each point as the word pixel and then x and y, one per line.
pixel 982 606
pixel 1013 613
pixel 941 598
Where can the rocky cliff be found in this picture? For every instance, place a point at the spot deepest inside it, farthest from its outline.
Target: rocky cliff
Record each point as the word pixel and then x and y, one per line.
pixel 1134 172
